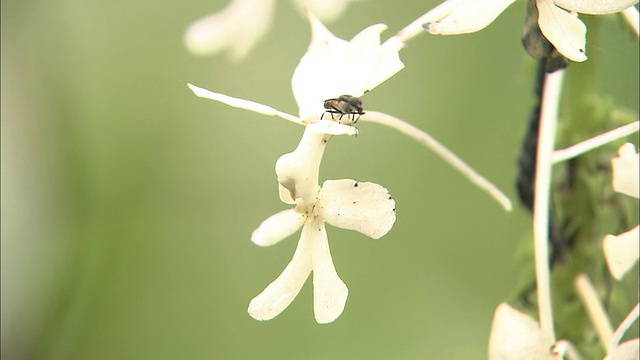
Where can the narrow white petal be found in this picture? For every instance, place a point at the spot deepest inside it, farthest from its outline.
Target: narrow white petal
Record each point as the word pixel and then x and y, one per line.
pixel 326 10
pixel 238 27
pixel 332 67
pixel 621 252
pixel 625 170
pixel 564 30
pixel 595 7
pixel 277 227
pixel 329 291
pixel 362 206
pixel 463 16
pixel 628 350
pixel 281 292
pixel 242 104
pixel 516 336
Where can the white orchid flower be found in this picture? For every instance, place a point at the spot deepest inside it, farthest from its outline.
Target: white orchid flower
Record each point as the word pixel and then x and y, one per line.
pixel 557 19
pixel 362 206
pixel 242 23
pixel 621 251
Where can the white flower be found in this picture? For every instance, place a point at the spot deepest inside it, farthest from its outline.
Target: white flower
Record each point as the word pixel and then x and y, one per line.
pixel 239 26
pixel 348 204
pixel 621 251
pixel 563 29
pixel 331 67
pixel 515 335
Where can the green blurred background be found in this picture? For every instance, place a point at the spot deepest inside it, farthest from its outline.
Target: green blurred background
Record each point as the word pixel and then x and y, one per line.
pixel 128 203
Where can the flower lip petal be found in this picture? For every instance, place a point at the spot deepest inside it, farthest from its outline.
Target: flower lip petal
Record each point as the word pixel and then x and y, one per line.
pixel 277 227
pixel 595 7
pixel 625 170
pixel 332 67
pixel 329 291
pixel 564 30
pixel 463 16
pixel 621 252
pixel 238 27
pixel 514 333
pixel 282 291
pixel 361 206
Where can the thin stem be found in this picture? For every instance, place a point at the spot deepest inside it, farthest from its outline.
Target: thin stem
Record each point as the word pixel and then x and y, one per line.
pixel 622 329
pixel 632 17
pixel 548 122
pixel 446 154
pixel 243 104
pixel 594 307
pixel 594 142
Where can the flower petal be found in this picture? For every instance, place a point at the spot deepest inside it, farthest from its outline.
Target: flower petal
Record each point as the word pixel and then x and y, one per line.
pixel 625 170
pixel 515 335
pixel 332 67
pixel 277 227
pixel 326 10
pixel 595 7
pixel 628 350
pixel 238 27
pixel 281 292
pixel 298 170
pixel 564 30
pixel 362 206
pixel 621 252
pixel 329 291
pixel 242 104
pixel 463 16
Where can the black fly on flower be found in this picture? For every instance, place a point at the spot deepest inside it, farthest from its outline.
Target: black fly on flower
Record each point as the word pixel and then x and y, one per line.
pixel 344 105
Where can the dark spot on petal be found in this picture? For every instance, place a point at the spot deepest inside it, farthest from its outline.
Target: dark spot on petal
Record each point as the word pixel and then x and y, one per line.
pixel 354 202
pixel 355 185
pixel 581 50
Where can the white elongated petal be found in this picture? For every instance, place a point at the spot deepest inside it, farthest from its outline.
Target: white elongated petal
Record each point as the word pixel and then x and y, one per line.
pixel 242 104
pixel 621 252
pixel 516 336
pixel 625 170
pixel 329 291
pixel 332 67
pixel 564 30
pixel 326 10
pixel 595 7
pixel 298 170
pixel 281 292
pixel 463 16
pixel 238 27
pixel 277 227
pixel 628 350
pixel 362 206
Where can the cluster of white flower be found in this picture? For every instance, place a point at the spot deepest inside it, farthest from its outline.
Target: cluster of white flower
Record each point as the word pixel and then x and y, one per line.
pixel 359 66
